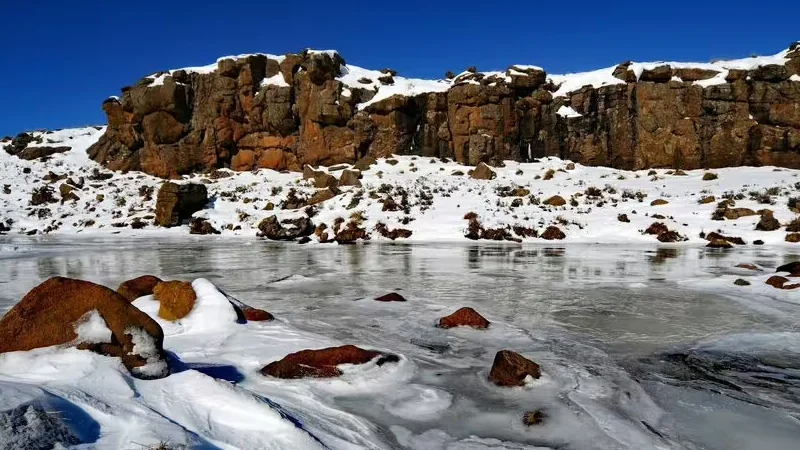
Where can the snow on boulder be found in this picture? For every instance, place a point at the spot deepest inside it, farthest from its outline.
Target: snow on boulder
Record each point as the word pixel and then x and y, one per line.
pixel 138 287
pixel 176 299
pixel 323 363
pixel 464 317
pixel 64 311
pixel 210 312
pixel 512 369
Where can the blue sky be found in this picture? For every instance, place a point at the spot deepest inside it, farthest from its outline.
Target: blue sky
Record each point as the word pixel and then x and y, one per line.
pixel 61 59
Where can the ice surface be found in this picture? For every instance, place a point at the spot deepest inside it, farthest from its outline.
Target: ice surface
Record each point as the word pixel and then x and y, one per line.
pixel 600 343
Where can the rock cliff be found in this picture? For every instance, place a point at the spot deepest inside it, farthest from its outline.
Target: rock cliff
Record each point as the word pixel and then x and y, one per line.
pixel 282 112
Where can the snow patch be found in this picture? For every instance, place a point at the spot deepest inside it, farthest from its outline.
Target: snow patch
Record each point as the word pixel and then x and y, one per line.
pixel 568 112
pixel 144 345
pixel 92 329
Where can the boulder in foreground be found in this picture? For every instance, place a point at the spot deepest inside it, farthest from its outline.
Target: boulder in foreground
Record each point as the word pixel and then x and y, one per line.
pixel 323 363
pixel 464 317
pixel 138 287
pixel 65 311
pixel 176 299
pixel 511 369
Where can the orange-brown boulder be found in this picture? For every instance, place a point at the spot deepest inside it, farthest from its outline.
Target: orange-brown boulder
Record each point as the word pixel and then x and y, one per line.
pixel 511 369
pixel 391 297
pixel 464 317
pixel 53 312
pixel 658 202
pixel 553 233
pixel 323 363
pixel 138 287
pixel 555 200
pixel 176 299
pixel 747 266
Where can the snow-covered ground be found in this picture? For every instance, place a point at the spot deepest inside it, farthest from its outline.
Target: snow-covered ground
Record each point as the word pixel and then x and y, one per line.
pixel 439 195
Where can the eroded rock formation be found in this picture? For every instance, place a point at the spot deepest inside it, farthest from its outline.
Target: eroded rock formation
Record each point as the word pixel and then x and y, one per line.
pixel 284 112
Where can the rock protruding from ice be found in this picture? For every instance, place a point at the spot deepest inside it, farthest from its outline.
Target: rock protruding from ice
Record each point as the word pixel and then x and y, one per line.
pixel 65 311
pixel 464 317
pixel 512 369
pixel 323 363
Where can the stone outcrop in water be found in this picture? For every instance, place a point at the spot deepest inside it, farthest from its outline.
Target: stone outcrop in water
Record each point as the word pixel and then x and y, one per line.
pixel 284 112
pixel 323 363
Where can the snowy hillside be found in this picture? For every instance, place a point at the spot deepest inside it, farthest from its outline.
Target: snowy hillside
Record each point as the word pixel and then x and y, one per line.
pixel 69 194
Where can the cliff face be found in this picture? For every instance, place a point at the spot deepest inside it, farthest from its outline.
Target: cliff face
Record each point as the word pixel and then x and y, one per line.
pixel 285 112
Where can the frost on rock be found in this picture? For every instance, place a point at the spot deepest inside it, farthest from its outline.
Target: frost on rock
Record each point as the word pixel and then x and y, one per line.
pixel 92 329
pixel 145 347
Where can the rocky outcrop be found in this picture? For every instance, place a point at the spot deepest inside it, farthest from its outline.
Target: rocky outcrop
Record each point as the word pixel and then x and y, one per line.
pixel 177 202
pixel 282 113
pixel 64 311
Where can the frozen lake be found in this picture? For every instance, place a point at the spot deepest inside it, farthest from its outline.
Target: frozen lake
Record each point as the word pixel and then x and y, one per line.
pixel 641 347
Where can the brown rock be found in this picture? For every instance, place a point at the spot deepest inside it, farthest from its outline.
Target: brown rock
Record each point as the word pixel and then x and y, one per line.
pixel 350 178
pixel 792 267
pixel 323 363
pixel 555 200
pixel 271 228
pixel 177 202
pixel 363 164
pixel 706 200
pixel 658 202
pixel 391 297
pixel 483 172
pixel 792 237
pixel 748 266
pixel 533 418
pixel 32 153
pixel 656 228
pixel 511 369
pixel 670 236
pixel 50 314
pixel 176 299
pixel 553 233
pixel 464 317
pixel 138 287
pixel 322 195
pixel 768 223
pixel 777 281
pixel 719 243
pixel 623 218
pixel 735 213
